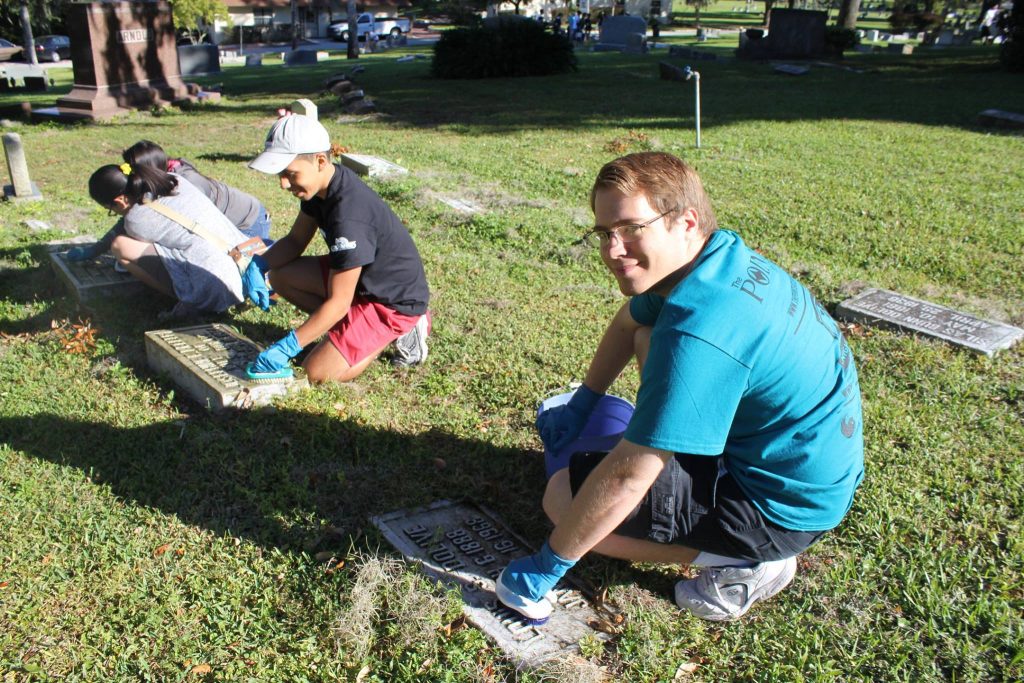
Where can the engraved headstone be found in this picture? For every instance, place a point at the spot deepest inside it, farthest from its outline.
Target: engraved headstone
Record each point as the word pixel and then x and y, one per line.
pixel 300 57
pixel 352 96
pixel 254 60
pixel 21 187
pixel 124 56
pixel 208 362
pixel 615 33
pixel 93 278
pixel 466 546
pixel 880 306
pixel 372 166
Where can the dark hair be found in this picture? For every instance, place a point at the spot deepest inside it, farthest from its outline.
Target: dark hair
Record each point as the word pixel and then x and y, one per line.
pixel 110 181
pixel 146 153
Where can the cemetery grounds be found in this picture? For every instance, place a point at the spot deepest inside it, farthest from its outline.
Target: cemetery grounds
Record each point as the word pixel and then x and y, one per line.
pixel 146 539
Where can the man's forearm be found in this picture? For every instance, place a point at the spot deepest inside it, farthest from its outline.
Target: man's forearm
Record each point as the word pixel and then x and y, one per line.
pixel 283 251
pixel 607 496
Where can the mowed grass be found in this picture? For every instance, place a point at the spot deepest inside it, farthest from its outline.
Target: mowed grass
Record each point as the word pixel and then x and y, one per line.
pixel 145 539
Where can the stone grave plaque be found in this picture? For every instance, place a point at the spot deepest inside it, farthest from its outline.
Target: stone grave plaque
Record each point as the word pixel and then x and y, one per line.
pixel 92 278
pixel 466 545
pixel 1000 118
pixel 208 362
pixel 372 166
pixel 880 306
pixel 461 205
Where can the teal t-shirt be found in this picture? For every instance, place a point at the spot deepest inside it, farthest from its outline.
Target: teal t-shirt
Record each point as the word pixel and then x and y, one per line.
pixel 745 362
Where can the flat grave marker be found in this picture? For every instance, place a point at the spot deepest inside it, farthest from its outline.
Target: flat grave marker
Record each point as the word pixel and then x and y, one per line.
pixel 208 362
pixel 465 545
pixel 1000 118
pixel 461 205
pixel 880 306
pixel 375 167
pixel 92 278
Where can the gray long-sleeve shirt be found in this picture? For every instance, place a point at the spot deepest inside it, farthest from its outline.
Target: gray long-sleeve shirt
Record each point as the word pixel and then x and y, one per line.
pixel 203 276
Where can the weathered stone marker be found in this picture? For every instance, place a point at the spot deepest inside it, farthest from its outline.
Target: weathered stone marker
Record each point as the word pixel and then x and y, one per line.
pixel 461 205
pixel 372 166
pixel 304 107
pixel 21 188
pixel 1000 118
pixel 880 306
pixel 467 546
pixel 93 278
pixel 208 362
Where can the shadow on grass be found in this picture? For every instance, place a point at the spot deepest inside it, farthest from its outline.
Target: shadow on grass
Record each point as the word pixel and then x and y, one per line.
pixel 262 475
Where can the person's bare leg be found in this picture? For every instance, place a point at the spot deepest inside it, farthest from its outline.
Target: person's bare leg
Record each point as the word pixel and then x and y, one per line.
pixel 326 364
pixel 129 251
pixel 558 497
pixel 300 282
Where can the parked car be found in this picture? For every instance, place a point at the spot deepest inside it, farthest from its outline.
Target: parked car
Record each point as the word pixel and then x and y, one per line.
pixel 367 23
pixel 8 50
pixel 53 48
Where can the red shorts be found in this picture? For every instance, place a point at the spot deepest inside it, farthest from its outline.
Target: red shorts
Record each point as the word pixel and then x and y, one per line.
pixel 368 326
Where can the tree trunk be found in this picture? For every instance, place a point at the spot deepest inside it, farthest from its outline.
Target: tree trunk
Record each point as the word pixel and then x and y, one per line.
pixel 696 9
pixel 26 31
pixel 768 11
pixel 848 12
pixel 353 40
pixel 295 24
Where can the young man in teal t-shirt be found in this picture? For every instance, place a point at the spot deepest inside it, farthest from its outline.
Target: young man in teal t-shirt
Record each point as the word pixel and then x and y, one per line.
pixel 746 445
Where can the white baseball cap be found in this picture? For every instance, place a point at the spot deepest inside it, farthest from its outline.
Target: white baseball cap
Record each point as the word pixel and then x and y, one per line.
pixel 290 136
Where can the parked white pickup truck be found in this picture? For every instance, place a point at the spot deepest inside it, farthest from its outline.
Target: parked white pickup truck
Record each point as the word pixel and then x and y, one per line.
pixel 367 23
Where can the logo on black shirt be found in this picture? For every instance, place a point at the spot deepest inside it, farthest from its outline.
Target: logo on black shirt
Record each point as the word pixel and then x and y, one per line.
pixel 342 244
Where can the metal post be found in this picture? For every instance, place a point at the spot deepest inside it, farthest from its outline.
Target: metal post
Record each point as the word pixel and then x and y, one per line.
pixel 695 75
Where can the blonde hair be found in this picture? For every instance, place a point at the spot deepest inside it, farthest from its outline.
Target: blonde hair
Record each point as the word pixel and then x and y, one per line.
pixel 668 182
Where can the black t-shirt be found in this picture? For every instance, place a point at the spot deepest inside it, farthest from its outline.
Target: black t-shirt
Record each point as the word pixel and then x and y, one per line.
pixel 361 230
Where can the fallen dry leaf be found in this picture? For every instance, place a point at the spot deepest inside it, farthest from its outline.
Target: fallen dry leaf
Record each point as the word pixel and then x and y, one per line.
pixel 685 670
pixel 363 673
pixel 161 550
pixel 201 669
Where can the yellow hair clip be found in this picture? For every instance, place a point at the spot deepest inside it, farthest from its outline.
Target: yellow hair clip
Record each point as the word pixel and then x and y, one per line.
pixel 126 168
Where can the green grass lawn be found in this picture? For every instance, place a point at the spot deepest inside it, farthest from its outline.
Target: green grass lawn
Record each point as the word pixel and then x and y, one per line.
pixel 145 539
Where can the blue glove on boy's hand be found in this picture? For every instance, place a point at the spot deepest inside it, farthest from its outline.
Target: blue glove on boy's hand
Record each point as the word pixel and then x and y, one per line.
pixel 277 355
pixel 76 254
pixel 561 425
pixel 254 283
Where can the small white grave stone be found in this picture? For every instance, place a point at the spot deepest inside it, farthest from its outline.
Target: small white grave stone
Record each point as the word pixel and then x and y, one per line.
pixel 461 205
pixel 371 166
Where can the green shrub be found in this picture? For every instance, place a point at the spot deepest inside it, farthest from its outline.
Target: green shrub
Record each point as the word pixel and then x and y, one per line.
pixel 508 47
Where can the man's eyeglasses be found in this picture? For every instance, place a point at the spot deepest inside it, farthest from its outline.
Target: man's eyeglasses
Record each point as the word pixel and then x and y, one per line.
pixel 599 237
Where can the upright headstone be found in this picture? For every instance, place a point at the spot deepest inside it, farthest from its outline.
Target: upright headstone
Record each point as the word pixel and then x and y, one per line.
pixel 208 362
pixel 796 34
pixel 615 32
pixel 124 56
pixel 254 60
pixel 466 546
pixel 304 107
pixel 300 57
pixel 196 60
pixel 21 187
pixel 882 307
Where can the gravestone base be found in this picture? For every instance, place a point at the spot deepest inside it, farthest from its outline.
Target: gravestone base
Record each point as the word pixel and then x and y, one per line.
pixel 374 167
pixel 466 546
pixel 208 362
pixel 890 309
pixel 11 195
pixel 93 278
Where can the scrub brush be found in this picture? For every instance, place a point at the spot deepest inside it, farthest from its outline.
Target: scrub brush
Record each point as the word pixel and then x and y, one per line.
pixel 268 377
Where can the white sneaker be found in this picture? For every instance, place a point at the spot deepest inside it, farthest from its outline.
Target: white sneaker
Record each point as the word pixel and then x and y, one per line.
pixel 726 593
pixel 411 347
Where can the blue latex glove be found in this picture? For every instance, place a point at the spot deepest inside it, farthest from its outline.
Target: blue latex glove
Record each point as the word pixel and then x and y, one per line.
pixel 76 254
pixel 254 284
pixel 561 425
pixel 278 354
pixel 531 577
